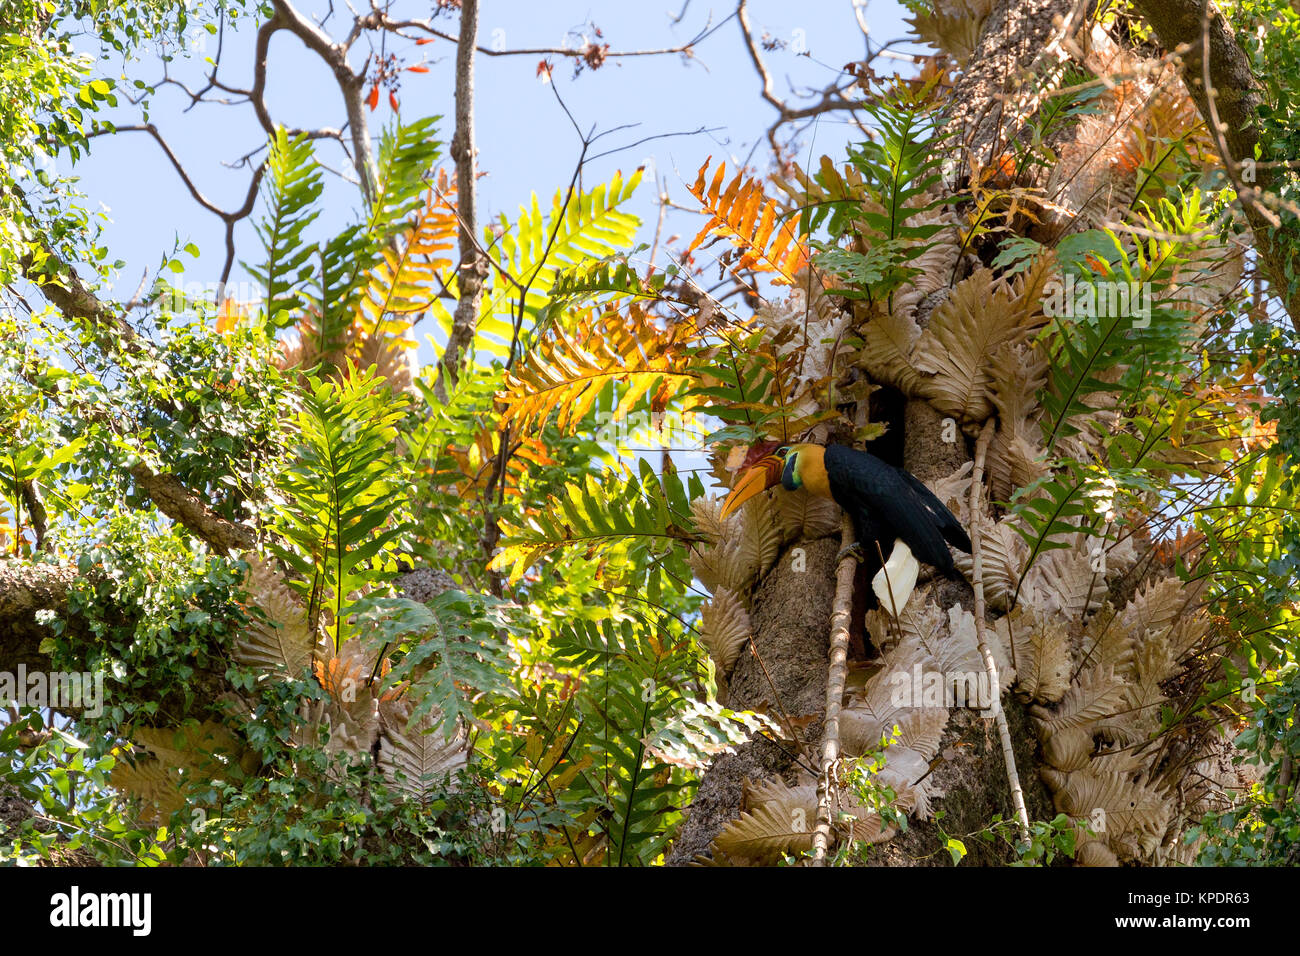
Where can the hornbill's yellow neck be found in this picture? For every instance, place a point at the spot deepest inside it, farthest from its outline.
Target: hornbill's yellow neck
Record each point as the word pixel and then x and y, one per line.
pixel 806 464
pixel 798 466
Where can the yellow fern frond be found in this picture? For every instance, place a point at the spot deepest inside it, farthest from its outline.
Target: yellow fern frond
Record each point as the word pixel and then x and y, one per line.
pixel 413 269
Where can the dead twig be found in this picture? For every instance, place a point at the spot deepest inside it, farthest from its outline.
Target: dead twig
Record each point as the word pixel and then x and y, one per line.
pixel 981 630
pixel 841 620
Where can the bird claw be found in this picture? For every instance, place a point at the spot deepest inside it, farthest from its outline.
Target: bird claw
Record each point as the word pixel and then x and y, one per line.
pixel 855 549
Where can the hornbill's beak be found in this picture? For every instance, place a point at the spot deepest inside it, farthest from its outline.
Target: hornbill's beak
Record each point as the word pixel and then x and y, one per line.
pixel 763 474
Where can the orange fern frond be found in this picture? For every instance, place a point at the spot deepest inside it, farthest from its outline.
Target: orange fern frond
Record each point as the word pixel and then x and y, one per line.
pixel 743 213
pixel 567 370
pixel 413 270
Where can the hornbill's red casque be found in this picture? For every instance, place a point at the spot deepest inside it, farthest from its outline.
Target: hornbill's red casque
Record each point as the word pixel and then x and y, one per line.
pixel 889 506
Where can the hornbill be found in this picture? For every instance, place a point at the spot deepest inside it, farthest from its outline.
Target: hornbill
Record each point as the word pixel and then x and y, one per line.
pixel 897 520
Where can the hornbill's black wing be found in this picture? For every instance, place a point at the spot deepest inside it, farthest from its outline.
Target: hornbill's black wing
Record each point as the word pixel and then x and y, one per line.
pixel 944 519
pixel 885 503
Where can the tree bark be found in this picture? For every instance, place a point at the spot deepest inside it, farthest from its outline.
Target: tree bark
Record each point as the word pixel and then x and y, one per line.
pixel 472 270
pixel 1193 29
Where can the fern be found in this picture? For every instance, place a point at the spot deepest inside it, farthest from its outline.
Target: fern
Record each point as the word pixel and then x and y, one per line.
pixel 451 651
pixel 895 174
pixel 566 371
pixel 635 670
pixel 1146 351
pixel 293 184
pixel 612 276
pixel 1048 510
pixel 744 214
pixel 899 169
pixel 406 154
pixel 1085 351
pixel 829 188
pixel 412 268
pixel 532 253
pixel 339 496
pixel 277 640
pixel 416 760
pixel 748 387
pixel 701 731
pixel 635 526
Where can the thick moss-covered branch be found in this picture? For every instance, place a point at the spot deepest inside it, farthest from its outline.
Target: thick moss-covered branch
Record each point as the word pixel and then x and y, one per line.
pixel 26 590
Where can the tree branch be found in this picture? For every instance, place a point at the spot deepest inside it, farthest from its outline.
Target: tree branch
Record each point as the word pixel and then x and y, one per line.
pixel 831 98
pixel 381 20
pixel 229 218
pixel 473 266
pixel 350 85
pixel 1228 101
pixel 188 509
pixel 26 589
pixel 65 290
pixel 841 621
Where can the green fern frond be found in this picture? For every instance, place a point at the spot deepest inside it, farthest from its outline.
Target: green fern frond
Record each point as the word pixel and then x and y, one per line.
pixel 452 652
pixel 292 186
pixel 630 524
pixel 613 276
pixel 406 154
pixel 532 252
pixel 339 495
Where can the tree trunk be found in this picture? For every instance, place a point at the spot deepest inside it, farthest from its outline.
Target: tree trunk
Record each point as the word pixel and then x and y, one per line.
pixel 784 670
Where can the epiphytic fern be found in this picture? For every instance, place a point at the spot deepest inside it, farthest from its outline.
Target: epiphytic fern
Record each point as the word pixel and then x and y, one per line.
pixel 980 318
pixel 569 368
pixel 293 183
pixel 340 497
pixel 406 153
pixel 743 213
pixel 537 248
pixel 633 524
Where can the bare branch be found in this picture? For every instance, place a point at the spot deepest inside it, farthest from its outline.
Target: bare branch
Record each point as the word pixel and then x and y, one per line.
pixel 380 20
pixel 832 98
pixel 473 265
pixel 350 85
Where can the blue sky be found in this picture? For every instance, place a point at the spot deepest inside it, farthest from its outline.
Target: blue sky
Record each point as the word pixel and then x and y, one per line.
pixel 525 142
